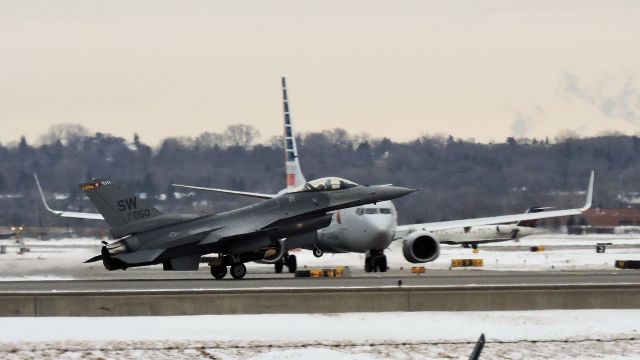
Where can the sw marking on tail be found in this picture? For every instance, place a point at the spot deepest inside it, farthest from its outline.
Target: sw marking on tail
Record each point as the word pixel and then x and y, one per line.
pixel 117 205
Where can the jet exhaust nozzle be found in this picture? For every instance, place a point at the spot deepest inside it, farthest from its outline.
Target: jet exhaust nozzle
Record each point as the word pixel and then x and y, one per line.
pixel 116 248
pixel 109 262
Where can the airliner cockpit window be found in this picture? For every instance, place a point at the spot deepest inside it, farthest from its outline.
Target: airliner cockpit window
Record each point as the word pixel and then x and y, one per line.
pixel 327 184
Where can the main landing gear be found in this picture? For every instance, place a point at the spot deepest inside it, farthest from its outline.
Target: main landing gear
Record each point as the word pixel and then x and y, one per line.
pixel 237 270
pixel 375 261
pixel 290 261
pixel 219 271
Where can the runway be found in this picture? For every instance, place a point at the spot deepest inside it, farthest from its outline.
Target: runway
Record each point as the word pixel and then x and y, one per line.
pixel 159 280
pixel 569 274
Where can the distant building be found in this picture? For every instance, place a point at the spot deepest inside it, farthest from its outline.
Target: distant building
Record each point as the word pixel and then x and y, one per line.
pixel 599 220
pixel 612 217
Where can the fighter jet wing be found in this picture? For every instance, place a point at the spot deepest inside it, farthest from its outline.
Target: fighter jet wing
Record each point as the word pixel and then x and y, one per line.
pixel 403 230
pixel 224 191
pixel 69 214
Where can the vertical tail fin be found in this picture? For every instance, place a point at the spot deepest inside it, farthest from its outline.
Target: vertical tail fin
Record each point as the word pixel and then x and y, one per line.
pixel 118 206
pixel 294 173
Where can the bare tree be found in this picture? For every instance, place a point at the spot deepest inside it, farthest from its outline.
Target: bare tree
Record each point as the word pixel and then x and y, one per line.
pixel 65 133
pixel 210 139
pixel 241 135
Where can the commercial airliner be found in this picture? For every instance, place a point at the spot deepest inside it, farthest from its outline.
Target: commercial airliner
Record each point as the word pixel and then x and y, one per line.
pixel 370 229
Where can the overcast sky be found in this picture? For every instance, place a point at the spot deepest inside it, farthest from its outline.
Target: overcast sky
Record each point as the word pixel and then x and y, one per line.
pixel 474 69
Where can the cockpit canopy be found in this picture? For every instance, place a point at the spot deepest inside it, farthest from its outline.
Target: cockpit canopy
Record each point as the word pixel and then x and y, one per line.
pixel 326 184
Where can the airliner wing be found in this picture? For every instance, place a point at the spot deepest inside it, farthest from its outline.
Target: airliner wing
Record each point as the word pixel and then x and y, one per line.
pixel 232 192
pixel 68 214
pixel 404 230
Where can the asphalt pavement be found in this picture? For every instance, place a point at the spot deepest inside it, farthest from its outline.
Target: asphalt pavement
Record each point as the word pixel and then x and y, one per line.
pixel 159 280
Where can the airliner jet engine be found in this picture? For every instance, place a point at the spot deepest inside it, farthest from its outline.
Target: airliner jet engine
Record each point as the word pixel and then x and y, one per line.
pixel 421 247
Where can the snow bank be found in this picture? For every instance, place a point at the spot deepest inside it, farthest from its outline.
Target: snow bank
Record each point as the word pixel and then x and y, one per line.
pixel 355 327
pixel 548 334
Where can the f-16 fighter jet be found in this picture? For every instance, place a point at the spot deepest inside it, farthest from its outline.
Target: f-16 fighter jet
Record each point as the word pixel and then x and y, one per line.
pixel 146 236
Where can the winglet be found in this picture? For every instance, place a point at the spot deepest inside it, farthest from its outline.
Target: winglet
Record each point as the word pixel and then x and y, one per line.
pixel 44 200
pixel 69 214
pixel 587 204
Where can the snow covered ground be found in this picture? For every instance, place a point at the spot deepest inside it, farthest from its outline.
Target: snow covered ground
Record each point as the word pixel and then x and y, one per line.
pixel 63 259
pixel 557 334
pixel 569 334
pixel 562 252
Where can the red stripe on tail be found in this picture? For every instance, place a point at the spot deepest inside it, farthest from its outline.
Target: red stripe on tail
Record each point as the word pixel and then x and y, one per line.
pixel 291 179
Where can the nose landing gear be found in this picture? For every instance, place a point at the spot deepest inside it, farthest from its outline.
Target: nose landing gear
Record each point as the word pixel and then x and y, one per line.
pixel 317 252
pixel 375 261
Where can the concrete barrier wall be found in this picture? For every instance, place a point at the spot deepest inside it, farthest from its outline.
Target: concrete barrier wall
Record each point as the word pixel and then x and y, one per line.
pixel 138 303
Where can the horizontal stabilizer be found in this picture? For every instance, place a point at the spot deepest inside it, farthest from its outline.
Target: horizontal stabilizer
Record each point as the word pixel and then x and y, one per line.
pixel 224 191
pixel 94 259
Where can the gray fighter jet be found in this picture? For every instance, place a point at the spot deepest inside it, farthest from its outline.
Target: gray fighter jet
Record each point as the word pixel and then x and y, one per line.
pixel 146 236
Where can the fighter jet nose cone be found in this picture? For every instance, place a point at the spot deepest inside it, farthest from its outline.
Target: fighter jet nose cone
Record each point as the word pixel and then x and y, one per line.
pixel 392 192
pixel 408 191
pixel 402 191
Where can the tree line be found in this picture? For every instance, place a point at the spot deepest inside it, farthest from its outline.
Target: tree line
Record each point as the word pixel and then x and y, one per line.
pixel 457 178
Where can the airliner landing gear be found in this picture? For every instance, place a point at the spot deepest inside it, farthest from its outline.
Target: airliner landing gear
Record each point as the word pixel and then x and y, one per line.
pixel 317 252
pixel 238 270
pixel 219 271
pixel 375 261
pixel 290 261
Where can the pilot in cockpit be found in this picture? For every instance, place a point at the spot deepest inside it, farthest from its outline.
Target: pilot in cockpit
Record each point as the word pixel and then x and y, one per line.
pixel 326 184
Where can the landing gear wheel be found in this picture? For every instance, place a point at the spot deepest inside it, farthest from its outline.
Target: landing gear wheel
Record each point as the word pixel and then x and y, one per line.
pixel 317 252
pixel 368 264
pixel 238 270
pixel 278 267
pixel 382 263
pixel 219 271
pixel 292 263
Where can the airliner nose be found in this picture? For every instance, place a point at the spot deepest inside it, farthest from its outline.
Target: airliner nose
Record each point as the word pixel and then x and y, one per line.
pixel 379 231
